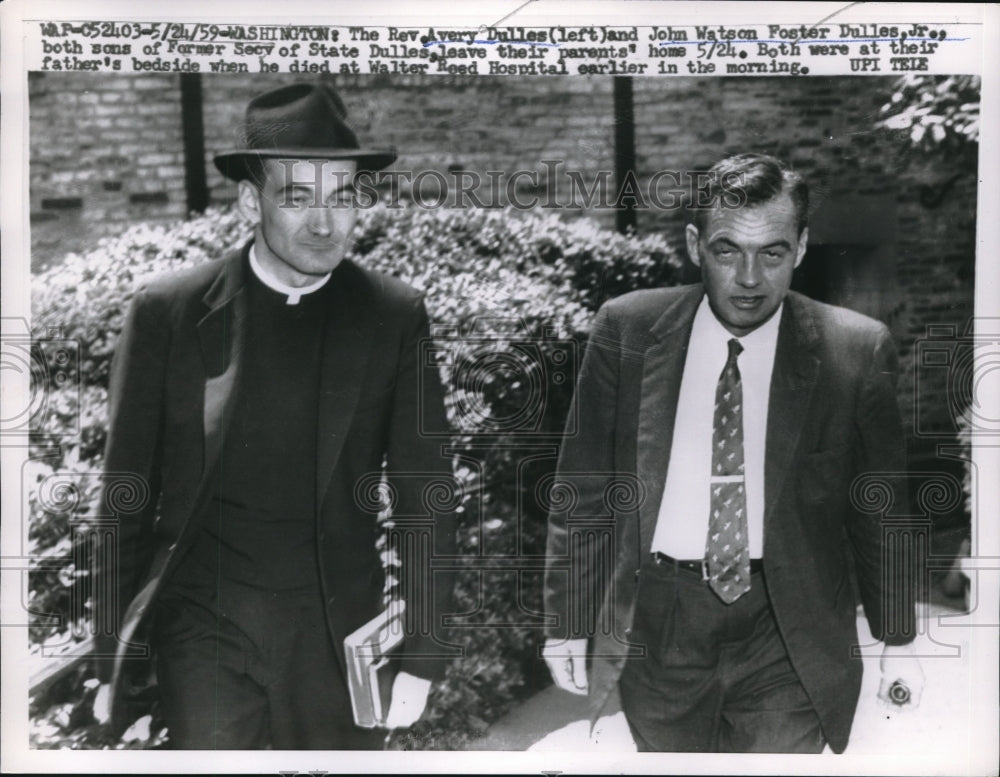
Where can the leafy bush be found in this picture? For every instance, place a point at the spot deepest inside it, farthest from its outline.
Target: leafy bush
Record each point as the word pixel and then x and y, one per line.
pixel 511 295
pixel 85 296
pixel 940 113
pixel 62 484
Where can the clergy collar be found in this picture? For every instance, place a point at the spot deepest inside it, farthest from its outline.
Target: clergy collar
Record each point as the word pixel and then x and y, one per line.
pixel 294 293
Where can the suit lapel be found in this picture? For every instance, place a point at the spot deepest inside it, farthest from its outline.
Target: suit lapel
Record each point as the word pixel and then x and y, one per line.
pixel 796 369
pixel 221 336
pixel 663 367
pixel 346 350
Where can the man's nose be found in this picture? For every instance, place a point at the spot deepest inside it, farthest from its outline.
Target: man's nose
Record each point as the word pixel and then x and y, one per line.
pixel 321 220
pixel 748 272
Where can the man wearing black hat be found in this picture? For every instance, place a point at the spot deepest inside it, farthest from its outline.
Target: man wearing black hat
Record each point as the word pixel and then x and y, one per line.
pixel 259 398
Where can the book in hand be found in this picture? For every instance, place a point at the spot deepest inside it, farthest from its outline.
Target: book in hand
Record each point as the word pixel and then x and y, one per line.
pixel 372 652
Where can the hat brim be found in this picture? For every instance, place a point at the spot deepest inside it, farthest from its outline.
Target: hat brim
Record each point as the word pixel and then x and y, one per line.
pixel 233 164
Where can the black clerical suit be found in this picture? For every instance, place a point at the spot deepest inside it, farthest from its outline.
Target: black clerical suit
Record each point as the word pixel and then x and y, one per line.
pixel 259 429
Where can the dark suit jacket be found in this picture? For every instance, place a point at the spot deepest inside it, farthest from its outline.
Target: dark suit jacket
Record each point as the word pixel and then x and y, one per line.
pixel 832 415
pixel 175 373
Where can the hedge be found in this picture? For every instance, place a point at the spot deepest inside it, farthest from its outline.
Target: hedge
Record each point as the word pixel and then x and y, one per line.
pixel 502 287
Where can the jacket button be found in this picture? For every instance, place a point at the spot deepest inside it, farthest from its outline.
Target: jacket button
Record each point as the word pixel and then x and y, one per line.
pixel 628 632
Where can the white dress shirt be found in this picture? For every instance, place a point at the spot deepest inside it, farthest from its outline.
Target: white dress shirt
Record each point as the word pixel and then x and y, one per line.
pixel 682 525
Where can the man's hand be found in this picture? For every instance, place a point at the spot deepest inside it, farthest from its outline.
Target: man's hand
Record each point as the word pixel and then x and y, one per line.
pixel 900 667
pixel 409 697
pixel 567 661
pixel 102 703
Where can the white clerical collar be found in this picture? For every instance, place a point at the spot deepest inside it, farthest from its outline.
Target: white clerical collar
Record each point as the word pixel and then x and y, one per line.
pixel 294 293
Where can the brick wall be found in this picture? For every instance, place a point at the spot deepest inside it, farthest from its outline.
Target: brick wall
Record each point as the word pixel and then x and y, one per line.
pixel 106 151
pixel 892 232
pixel 441 124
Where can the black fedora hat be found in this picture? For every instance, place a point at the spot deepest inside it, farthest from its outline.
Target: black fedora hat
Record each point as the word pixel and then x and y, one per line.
pixel 301 121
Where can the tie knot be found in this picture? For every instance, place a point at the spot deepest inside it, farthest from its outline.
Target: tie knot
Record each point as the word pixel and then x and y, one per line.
pixel 735 349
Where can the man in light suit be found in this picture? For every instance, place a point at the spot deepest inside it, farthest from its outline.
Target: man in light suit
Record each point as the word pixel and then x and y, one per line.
pixel 259 399
pixel 719 600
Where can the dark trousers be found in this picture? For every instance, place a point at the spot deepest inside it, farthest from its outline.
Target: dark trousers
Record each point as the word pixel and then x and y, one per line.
pixel 715 677
pixel 262 675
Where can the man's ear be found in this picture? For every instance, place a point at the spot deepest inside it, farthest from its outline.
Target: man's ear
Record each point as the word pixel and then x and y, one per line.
pixel 803 242
pixel 691 233
pixel 248 201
